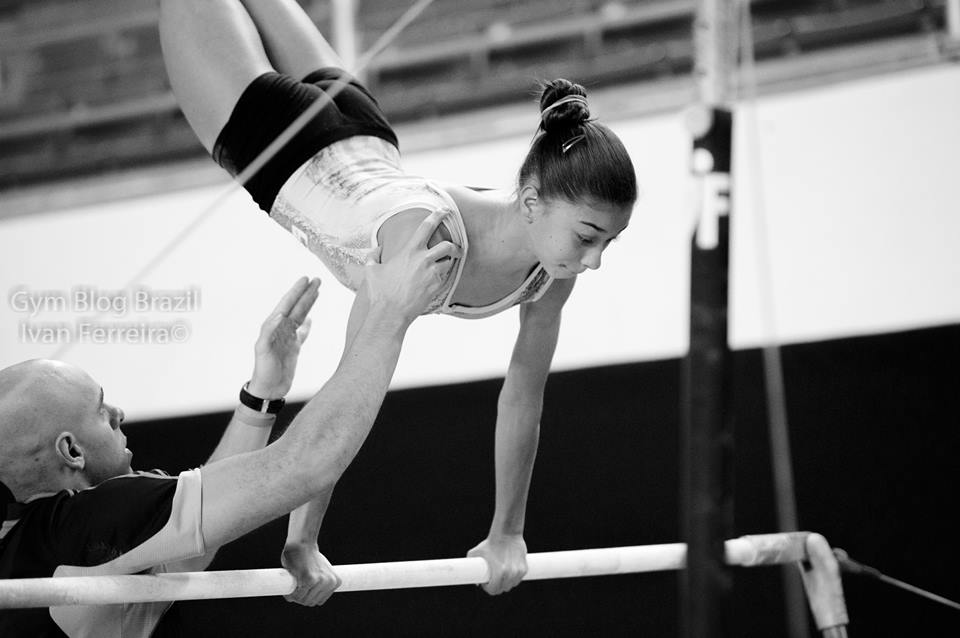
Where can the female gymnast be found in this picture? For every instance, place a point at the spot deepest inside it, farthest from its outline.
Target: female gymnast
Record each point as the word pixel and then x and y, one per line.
pixel 243 70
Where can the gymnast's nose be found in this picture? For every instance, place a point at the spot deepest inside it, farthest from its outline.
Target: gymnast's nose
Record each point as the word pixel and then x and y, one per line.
pixel 591 259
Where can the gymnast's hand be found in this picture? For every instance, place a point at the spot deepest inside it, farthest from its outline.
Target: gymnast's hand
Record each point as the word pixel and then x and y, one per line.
pixel 506 556
pixel 415 275
pixel 316 580
pixel 278 347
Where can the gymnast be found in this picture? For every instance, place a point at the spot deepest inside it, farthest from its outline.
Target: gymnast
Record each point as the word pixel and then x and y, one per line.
pixel 243 70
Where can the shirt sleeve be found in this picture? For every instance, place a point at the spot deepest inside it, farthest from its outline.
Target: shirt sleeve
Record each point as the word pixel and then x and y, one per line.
pixel 137 523
pixel 131 523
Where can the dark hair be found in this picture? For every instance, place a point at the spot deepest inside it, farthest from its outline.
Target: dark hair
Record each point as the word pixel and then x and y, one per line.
pixel 574 168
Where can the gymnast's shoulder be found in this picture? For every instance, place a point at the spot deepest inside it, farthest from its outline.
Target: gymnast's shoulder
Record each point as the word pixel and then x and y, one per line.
pixel 399 227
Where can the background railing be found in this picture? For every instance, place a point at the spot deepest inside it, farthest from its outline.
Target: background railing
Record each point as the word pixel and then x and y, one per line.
pixel 83 89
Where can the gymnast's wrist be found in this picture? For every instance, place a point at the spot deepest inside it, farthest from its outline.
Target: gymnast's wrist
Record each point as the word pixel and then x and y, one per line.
pixel 505 530
pixel 297 543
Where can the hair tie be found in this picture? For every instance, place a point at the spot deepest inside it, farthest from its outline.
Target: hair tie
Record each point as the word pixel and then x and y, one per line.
pixel 565 100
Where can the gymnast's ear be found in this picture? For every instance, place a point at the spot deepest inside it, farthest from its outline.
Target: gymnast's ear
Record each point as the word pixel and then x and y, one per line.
pixel 530 203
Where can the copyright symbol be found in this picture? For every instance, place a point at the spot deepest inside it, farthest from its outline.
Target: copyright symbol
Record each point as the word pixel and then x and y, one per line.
pixel 180 332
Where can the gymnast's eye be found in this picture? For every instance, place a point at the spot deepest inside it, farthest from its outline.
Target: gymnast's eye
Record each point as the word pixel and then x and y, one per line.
pixel 585 240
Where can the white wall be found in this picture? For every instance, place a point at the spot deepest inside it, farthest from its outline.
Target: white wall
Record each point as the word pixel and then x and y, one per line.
pixel 856 186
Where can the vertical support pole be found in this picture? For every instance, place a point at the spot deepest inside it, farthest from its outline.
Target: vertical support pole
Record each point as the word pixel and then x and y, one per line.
pixel 344 23
pixel 706 428
pixel 953 19
pixel 779 430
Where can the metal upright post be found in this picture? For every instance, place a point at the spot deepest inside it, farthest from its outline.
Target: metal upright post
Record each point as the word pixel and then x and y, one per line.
pixel 344 23
pixel 707 437
pixel 953 19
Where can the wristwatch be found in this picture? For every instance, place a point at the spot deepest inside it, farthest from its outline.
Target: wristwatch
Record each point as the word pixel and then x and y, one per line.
pixel 263 406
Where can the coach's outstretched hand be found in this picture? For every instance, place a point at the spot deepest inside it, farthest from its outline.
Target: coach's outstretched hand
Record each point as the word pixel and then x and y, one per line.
pixel 281 336
pixel 412 278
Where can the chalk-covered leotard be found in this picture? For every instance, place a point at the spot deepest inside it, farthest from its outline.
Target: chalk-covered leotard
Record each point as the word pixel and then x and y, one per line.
pixel 336 202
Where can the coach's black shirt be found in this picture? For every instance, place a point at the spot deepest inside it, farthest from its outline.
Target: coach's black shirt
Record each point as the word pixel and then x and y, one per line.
pixel 130 524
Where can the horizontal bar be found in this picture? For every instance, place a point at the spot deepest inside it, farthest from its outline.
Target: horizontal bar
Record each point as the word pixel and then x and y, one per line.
pixel 746 551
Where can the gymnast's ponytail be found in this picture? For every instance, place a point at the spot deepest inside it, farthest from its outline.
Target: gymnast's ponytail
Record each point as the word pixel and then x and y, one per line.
pixel 573 157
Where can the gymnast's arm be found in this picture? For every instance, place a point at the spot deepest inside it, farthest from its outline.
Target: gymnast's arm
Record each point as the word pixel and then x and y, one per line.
pixel 301 554
pixel 517 436
pixel 242 492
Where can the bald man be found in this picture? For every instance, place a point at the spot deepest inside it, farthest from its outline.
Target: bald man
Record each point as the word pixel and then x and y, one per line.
pixel 80 510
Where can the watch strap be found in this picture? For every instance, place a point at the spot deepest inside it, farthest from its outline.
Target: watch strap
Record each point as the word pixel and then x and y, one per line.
pixel 264 406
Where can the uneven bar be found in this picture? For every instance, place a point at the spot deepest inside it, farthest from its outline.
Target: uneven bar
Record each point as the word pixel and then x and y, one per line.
pixel 745 551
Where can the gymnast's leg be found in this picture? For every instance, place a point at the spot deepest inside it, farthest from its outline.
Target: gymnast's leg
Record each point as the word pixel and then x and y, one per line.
pixel 212 53
pixel 293 43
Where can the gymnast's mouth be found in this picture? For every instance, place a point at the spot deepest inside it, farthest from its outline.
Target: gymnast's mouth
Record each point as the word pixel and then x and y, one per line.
pixel 565 272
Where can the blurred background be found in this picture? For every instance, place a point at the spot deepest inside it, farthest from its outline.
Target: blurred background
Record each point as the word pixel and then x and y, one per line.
pixel 85 92
pixel 845 230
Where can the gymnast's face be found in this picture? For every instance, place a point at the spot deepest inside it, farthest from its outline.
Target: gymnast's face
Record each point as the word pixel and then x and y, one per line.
pixel 569 237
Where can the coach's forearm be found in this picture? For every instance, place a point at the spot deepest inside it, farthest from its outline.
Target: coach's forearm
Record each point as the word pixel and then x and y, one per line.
pixel 247 430
pixel 245 491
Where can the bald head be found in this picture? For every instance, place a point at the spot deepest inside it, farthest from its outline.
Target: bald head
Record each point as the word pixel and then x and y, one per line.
pixel 54 429
pixel 39 393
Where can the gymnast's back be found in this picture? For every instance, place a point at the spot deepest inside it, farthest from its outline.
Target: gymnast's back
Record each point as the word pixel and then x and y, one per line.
pixel 337 202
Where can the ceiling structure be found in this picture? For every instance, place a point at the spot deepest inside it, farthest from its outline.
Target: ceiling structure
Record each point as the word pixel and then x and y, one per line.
pixel 83 90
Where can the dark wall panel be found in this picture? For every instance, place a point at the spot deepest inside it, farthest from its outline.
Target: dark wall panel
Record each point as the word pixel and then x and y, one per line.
pixel 874 433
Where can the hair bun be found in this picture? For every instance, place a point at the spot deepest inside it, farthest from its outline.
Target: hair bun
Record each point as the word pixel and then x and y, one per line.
pixel 563 106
